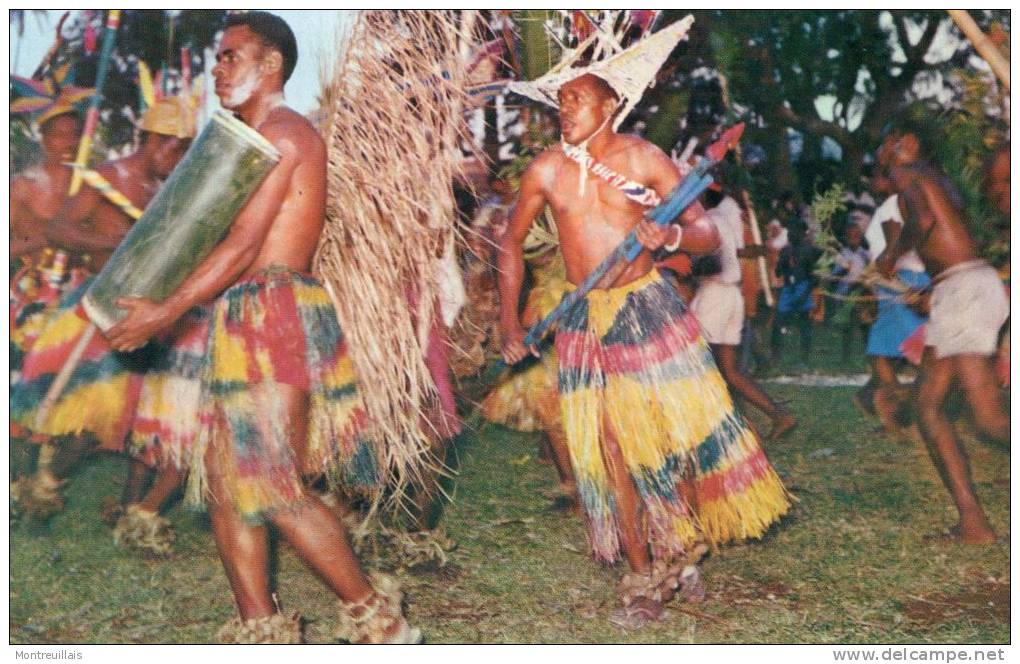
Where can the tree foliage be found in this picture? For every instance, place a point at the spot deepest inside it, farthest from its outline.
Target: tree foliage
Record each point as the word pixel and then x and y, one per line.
pixel 835 75
pixel 816 87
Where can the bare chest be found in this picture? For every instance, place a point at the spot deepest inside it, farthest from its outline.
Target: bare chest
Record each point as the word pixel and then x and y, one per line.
pixel 46 196
pixel 595 209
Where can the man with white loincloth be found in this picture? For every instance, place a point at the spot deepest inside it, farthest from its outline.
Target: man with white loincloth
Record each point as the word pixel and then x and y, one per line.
pixel 968 307
pixel 719 308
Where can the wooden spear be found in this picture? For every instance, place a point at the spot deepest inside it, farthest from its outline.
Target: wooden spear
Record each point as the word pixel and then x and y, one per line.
pixel 64 376
pixel 982 44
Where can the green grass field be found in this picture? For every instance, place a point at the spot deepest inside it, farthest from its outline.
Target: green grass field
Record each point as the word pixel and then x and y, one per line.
pixel 849 565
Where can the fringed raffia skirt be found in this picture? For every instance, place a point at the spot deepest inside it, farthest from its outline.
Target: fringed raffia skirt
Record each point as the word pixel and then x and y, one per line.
pixel 270 335
pixel 633 359
pixel 528 400
pixel 166 421
pixel 101 395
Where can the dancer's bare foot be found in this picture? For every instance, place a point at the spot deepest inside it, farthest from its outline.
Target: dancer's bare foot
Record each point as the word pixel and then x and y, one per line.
pixel 782 425
pixel 890 403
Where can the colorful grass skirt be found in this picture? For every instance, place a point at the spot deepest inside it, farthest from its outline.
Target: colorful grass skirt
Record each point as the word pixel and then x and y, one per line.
pixel 101 395
pixel 633 359
pixel 32 303
pixel 268 335
pixel 165 424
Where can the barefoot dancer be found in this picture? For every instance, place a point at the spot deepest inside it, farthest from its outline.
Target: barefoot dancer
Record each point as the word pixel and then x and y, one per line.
pixel 278 390
pixel 662 461
pixel 968 306
pixel 895 321
pixel 719 308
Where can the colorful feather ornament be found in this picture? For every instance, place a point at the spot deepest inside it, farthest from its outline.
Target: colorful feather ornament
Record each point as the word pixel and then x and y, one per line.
pixel 49 97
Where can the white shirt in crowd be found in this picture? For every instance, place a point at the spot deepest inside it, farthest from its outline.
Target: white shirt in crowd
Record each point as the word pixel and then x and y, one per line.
pixel 778 236
pixel 889 210
pixel 727 219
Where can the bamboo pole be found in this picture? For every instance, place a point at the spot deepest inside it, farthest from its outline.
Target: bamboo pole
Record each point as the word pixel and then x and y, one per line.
pixel 92 119
pixel 982 44
pixel 763 270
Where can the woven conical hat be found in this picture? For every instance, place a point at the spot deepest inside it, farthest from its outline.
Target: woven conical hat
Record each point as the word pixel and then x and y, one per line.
pixel 629 72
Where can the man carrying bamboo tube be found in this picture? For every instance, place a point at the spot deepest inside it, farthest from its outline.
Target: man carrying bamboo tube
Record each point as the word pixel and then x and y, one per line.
pixel 98 405
pixel 663 463
pixel 968 308
pixel 280 400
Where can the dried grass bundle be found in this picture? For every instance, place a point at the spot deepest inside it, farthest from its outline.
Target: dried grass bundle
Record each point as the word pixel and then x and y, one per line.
pixel 394 132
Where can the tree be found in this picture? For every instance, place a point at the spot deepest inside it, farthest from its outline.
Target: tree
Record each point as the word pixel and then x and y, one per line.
pixel 832 74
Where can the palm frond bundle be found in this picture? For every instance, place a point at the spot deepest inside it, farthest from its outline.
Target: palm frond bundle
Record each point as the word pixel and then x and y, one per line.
pixel 394 132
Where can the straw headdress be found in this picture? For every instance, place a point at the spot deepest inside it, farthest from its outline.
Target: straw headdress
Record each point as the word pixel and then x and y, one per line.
pixel 630 72
pixel 393 128
pixel 170 116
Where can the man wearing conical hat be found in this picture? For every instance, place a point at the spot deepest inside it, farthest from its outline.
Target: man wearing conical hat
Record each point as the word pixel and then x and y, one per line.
pixel 98 406
pixel 664 464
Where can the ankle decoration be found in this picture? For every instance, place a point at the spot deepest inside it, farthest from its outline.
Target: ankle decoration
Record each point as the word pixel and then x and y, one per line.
pixel 144 531
pixel 422 546
pixel 277 628
pixel 666 577
pixel 37 495
pixel 378 618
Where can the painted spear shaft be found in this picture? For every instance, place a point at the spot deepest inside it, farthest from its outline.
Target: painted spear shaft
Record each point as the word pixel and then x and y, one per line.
pixel 63 376
pixel 92 119
pixel 678 200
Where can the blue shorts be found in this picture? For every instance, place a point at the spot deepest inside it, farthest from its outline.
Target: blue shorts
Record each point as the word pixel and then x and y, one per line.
pixel 895 321
pixel 795 297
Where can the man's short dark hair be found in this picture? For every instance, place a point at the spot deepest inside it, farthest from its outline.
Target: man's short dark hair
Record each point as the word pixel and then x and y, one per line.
pixel 919 121
pixel 273 32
